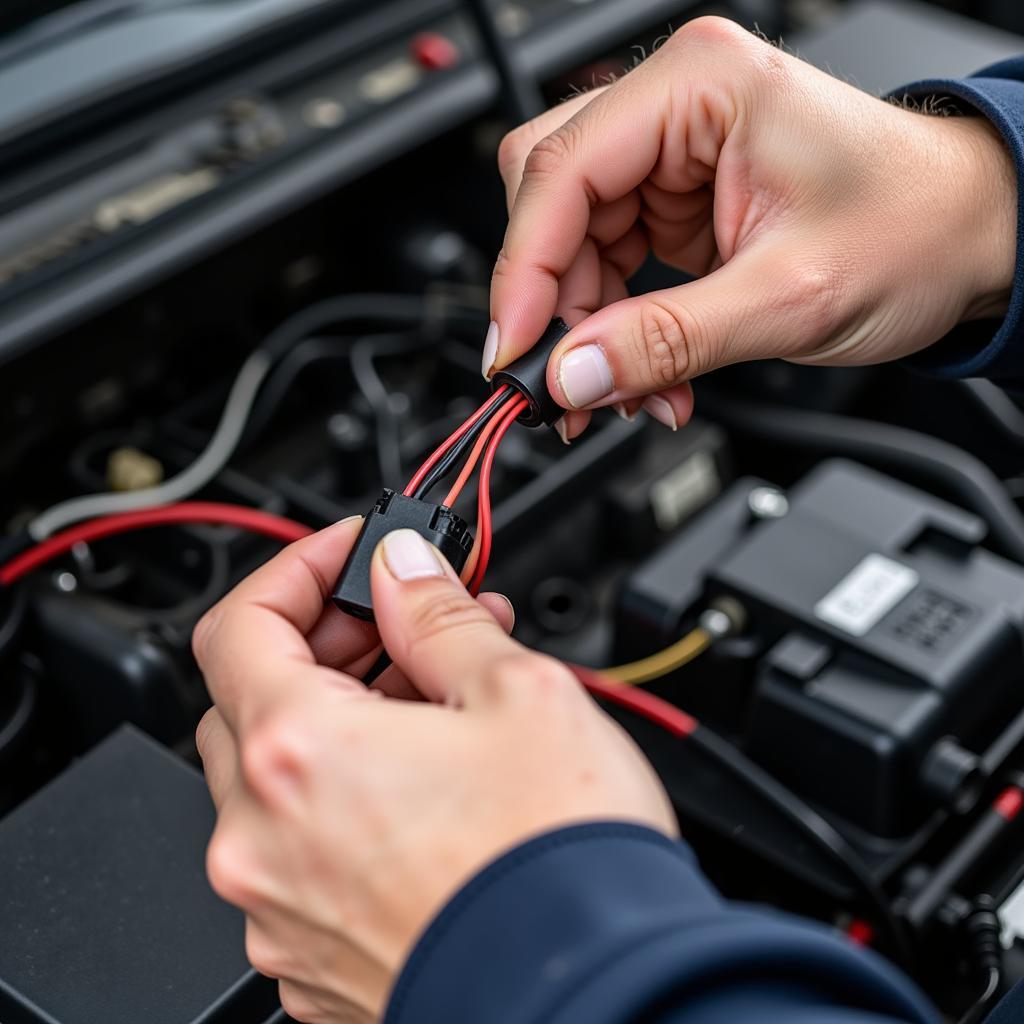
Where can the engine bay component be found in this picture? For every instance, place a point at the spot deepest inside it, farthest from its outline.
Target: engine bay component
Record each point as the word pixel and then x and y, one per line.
pixel 145 911
pixel 866 658
pixel 240 295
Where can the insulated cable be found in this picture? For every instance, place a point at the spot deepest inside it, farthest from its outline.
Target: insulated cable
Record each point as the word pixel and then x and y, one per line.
pixel 916 455
pixel 808 822
pixel 381 308
pixel 471 462
pixel 206 512
pixel 210 462
pixel 443 459
pixel 681 653
pixel 364 354
pixel 483 519
pixel 659 712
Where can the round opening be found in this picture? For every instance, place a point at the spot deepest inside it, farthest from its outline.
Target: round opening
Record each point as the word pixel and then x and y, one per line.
pixel 560 604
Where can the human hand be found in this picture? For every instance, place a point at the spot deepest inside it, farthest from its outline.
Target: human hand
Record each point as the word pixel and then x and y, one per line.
pixel 824 225
pixel 348 817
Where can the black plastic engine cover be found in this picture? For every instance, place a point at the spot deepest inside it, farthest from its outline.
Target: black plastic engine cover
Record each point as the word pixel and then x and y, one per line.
pixel 108 916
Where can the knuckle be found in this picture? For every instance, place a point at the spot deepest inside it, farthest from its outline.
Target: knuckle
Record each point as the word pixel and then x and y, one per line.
pixel 712 30
pixel 530 675
pixel 750 56
pixel 668 344
pixel 226 870
pixel 549 155
pixel 813 293
pixel 264 956
pixel 273 749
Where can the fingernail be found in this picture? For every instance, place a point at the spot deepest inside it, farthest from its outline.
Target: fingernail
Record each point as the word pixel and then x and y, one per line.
pixel 620 408
pixel 410 557
pixel 585 375
pixel 661 409
pixel 490 350
pixel 511 610
pixel 562 429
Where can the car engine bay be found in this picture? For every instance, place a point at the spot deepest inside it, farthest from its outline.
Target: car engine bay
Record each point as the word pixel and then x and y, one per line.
pixel 334 197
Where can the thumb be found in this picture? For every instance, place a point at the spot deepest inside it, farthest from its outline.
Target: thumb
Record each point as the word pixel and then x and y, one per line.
pixel 439 636
pixel 747 309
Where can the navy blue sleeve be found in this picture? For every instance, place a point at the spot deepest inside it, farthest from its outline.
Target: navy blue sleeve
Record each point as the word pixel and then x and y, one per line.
pixel 608 923
pixel 984 349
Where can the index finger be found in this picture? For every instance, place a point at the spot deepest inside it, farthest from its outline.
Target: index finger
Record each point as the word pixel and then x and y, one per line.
pixel 252 646
pixel 600 154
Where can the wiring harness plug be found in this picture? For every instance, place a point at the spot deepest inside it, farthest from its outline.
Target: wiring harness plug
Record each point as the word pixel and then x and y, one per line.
pixel 528 376
pixel 520 394
pixel 438 524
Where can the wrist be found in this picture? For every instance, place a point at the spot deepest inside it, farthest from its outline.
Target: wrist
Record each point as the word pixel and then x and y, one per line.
pixel 988 180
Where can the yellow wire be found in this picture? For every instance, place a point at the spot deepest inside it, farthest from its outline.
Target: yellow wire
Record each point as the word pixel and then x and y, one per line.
pixel 656 665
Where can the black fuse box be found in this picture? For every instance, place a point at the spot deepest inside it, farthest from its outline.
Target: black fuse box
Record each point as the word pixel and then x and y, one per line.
pixel 883 646
pixel 107 914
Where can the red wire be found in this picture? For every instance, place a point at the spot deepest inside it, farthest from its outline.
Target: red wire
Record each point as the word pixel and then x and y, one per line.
pixel 642 702
pixel 474 457
pixel 252 519
pixel 444 446
pixel 483 518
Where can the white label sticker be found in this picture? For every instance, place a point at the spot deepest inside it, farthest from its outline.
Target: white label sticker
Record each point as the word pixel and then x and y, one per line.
pixel 865 594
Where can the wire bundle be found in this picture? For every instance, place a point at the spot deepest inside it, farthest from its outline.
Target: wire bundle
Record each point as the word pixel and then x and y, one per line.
pixel 476 442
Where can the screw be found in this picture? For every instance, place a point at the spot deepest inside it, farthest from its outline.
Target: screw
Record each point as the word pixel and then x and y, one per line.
pixel 767 503
pixel 65 582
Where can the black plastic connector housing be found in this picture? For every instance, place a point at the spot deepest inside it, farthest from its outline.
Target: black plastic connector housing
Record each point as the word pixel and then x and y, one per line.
pixel 528 375
pixel 446 530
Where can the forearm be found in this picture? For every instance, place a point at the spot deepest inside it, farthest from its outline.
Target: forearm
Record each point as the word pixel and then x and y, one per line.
pixel 606 923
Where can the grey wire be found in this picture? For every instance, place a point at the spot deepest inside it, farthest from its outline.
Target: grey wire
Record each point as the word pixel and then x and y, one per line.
pixel 977 1012
pixel 210 462
pixel 233 421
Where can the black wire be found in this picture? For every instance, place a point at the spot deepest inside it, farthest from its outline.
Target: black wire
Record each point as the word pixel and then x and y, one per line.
pixel 284 377
pixel 368 380
pixel 917 455
pixel 983 934
pixel 15 603
pixel 463 445
pixel 812 826
pixel 393 310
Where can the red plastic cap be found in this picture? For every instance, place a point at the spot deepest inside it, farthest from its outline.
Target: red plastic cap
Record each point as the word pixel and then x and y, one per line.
pixel 433 51
pixel 860 932
pixel 1008 804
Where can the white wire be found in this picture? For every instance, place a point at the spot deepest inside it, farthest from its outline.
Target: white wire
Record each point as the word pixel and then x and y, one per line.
pixel 210 462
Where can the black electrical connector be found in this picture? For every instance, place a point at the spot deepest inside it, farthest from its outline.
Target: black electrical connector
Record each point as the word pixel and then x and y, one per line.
pixel 438 524
pixel 528 376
